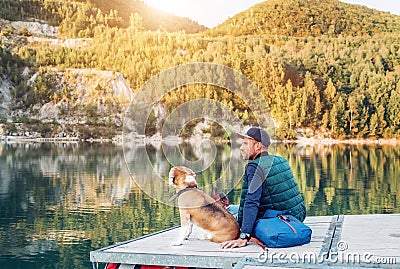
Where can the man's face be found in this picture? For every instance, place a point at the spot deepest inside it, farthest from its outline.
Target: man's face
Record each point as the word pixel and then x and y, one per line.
pixel 248 148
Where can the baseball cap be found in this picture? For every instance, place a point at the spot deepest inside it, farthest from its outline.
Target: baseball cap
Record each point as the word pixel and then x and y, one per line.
pixel 257 134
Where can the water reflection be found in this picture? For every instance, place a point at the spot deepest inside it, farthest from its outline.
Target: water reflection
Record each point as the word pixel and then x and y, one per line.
pixel 346 179
pixel 59 202
pixel 215 166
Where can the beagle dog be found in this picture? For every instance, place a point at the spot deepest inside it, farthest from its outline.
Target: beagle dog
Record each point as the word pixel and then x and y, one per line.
pixel 198 208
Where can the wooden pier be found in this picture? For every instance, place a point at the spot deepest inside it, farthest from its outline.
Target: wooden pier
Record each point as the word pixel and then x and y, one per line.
pixel 340 241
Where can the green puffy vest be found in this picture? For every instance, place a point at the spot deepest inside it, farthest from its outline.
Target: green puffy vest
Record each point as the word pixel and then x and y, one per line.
pixel 279 189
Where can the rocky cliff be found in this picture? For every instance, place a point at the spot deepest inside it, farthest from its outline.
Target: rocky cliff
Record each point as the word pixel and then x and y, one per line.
pixel 79 103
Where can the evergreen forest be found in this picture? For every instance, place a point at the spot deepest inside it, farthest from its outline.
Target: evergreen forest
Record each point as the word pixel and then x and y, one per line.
pixel 324 67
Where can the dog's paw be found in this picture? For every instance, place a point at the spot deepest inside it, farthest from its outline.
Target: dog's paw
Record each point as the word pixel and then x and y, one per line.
pixel 177 243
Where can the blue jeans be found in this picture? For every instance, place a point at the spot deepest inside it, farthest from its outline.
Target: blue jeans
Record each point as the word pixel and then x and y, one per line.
pixel 234 210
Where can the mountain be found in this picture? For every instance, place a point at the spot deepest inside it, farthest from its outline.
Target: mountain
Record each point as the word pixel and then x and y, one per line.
pixel 153 19
pixel 84 12
pixel 68 70
pixel 303 18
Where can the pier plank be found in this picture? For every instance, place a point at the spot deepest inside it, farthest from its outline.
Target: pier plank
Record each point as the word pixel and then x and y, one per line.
pixel 376 235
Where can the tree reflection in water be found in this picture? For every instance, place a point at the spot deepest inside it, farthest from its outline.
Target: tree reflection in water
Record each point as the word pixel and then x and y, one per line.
pixel 60 201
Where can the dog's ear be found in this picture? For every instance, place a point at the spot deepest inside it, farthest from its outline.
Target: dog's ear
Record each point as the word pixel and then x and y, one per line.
pixel 171 177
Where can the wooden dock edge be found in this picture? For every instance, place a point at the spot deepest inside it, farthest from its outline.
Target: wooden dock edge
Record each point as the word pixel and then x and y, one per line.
pixel 332 237
pixel 324 257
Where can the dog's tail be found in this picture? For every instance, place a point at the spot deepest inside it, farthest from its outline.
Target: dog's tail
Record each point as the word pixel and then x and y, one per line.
pixel 220 197
pixel 215 194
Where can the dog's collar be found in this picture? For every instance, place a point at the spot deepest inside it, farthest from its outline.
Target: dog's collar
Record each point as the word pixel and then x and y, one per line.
pixel 176 195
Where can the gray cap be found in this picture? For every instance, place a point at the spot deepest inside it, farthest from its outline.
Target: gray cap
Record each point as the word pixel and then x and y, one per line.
pixel 258 134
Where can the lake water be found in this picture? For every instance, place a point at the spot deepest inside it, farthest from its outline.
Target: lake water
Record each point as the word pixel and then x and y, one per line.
pixel 60 201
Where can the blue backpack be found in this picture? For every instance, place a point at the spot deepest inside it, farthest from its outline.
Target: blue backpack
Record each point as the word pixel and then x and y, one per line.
pixel 279 230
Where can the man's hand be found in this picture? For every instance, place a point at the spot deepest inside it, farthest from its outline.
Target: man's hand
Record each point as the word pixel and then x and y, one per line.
pixel 238 243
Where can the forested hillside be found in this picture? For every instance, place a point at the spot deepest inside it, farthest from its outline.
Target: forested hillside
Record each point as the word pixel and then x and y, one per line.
pixel 303 18
pixel 86 14
pixel 153 19
pixel 341 84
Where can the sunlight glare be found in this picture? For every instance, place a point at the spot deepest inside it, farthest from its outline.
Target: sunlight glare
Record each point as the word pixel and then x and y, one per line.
pixel 180 8
pixel 206 12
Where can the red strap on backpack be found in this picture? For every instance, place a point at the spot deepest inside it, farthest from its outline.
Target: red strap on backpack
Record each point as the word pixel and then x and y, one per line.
pixel 282 218
pixel 258 242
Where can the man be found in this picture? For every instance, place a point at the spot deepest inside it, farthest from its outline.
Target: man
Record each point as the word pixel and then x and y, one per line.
pixel 268 183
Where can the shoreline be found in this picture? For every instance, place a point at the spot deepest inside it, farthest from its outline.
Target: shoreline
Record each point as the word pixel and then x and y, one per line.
pixel 300 141
pixel 25 139
pixel 351 141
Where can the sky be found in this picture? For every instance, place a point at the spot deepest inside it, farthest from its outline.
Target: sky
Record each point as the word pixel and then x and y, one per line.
pixel 210 13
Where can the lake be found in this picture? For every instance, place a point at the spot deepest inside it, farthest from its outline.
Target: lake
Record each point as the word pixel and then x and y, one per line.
pixel 58 202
